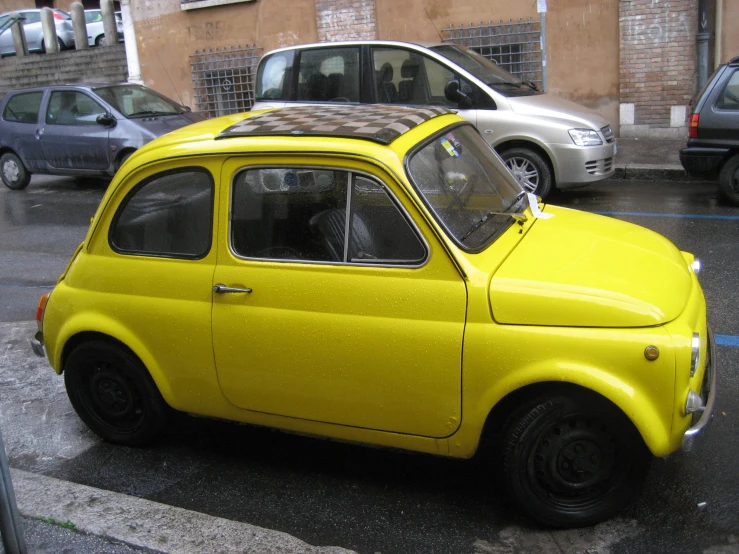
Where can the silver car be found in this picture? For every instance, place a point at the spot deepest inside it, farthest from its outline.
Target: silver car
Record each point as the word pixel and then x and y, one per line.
pixel 545 141
pixel 85 130
pixel 35 33
pixel 95 30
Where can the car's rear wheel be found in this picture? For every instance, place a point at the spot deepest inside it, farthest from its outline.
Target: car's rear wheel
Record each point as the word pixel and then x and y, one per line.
pixel 729 180
pixel 13 173
pixel 573 460
pixel 113 393
pixel 100 41
pixel 530 170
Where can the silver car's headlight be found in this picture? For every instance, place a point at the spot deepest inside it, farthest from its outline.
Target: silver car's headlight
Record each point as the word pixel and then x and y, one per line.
pixel 585 137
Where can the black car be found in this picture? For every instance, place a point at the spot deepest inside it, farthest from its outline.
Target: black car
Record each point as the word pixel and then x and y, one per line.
pixel 713 133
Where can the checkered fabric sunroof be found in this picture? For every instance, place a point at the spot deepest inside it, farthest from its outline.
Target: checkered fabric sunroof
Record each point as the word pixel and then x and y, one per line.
pixel 378 123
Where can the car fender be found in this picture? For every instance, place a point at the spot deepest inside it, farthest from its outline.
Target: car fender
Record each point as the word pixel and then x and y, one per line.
pixel 104 324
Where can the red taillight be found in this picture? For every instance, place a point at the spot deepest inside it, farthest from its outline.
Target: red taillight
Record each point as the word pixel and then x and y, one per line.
pixel 41 307
pixel 693 125
pixel 58 16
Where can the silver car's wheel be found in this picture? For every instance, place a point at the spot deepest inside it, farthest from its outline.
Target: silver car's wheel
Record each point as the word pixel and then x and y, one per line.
pixel 525 173
pixel 13 173
pixel 530 170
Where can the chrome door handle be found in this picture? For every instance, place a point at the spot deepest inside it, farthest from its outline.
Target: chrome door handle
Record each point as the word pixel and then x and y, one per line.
pixel 222 289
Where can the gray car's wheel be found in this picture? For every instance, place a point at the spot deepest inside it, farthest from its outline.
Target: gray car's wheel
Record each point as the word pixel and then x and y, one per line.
pixel 573 459
pixel 113 393
pixel 729 180
pixel 530 170
pixel 13 173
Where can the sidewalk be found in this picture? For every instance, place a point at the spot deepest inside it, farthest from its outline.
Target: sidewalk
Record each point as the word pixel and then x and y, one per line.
pixel 649 159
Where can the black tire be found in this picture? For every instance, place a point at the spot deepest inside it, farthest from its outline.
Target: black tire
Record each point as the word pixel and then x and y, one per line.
pixel 100 41
pixel 530 170
pixel 728 181
pixel 573 460
pixel 113 393
pixel 14 174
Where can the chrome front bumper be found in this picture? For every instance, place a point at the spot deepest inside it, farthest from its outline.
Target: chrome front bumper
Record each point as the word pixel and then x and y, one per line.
pixel 709 392
pixel 37 344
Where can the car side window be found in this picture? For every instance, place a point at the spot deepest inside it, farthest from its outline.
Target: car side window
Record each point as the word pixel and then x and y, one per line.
pixel 305 214
pixel 70 107
pixel 729 99
pixel 329 75
pixel 406 77
pixel 31 17
pixel 167 215
pixel 23 108
pixel 271 75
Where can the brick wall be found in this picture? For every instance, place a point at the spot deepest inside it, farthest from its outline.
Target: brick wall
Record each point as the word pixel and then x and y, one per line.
pixel 658 65
pixel 94 65
pixel 346 20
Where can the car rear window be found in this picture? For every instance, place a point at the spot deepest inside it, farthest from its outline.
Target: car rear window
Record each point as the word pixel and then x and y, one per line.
pixel 23 108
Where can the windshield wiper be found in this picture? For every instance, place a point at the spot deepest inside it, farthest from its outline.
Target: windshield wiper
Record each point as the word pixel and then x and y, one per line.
pixel 151 112
pixel 516 200
pixel 487 216
pixel 518 84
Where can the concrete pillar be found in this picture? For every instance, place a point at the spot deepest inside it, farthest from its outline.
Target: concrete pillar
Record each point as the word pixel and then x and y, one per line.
pixel 129 36
pixel 80 26
pixel 108 13
pixel 19 37
pixel 51 42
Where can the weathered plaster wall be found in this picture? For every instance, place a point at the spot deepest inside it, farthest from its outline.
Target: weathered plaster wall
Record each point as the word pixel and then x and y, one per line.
pixel 583 55
pixel 730 31
pixel 13 5
pixel 167 36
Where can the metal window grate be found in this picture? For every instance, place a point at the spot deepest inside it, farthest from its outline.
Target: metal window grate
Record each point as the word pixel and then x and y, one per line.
pixel 223 79
pixel 514 46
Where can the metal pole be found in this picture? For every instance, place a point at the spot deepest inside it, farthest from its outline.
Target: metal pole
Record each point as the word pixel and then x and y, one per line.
pixel 541 7
pixel 10 519
pixel 704 37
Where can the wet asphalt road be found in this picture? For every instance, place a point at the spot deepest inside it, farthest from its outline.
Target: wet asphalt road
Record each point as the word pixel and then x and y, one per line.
pixel 390 502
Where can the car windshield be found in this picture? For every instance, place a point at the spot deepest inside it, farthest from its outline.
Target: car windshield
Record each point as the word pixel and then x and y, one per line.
pixel 136 101
pixel 466 185
pixel 485 70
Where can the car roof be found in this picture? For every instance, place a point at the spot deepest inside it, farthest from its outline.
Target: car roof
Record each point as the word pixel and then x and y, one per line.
pixel 72 85
pixel 376 122
pixel 418 44
pixel 734 61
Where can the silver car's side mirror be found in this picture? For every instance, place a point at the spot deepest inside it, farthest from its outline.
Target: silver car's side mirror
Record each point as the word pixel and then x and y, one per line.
pixel 454 93
pixel 106 120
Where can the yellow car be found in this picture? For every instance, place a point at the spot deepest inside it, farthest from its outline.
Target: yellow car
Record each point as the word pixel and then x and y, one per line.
pixel 376 275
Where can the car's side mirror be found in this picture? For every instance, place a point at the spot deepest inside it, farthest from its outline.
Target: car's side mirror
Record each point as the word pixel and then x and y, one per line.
pixel 454 94
pixel 105 120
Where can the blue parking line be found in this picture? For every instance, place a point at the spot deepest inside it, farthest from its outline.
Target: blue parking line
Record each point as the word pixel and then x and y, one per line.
pixel 686 216
pixel 726 340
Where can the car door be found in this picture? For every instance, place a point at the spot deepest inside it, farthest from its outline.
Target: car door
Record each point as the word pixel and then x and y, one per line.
pixel 71 137
pixel 34 30
pixel 20 124
pixel 354 320
pixel 407 77
pixel 719 118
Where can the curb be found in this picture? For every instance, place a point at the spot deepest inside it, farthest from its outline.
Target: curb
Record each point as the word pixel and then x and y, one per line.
pixel 652 172
pixel 148 525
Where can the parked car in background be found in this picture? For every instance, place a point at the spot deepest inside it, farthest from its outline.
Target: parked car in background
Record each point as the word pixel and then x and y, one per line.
pixel 95 30
pixel 546 141
pixel 712 149
pixel 375 274
pixel 80 129
pixel 35 33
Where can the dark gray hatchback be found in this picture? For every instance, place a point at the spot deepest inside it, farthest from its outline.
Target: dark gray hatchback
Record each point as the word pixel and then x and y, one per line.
pixel 713 133
pixel 83 130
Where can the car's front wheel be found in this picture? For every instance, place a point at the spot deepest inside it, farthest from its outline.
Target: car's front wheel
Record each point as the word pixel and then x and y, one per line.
pixel 113 393
pixel 573 460
pixel 530 170
pixel 729 180
pixel 13 173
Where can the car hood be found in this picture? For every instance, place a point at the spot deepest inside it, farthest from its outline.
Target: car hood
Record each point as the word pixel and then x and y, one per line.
pixel 583 270
pixel 546 105
pixel 162 124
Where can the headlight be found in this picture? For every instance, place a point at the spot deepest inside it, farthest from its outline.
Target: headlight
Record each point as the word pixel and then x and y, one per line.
pixel 585 137
pixel 696 354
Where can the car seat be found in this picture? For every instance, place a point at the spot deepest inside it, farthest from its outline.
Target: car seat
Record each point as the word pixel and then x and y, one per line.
pixel 407 86
pixel 386 91
pixel 331 226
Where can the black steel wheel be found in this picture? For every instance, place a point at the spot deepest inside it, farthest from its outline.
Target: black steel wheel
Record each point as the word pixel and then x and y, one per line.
pixel 14 174
pixel 530 170
pixel 573 460
pixel 114 394
pixel 729 180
